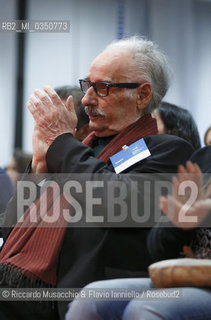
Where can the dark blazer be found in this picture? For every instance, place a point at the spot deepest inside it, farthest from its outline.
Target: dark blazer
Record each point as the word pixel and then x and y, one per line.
pixel 90 254
pixel 203 158
pixel 97 252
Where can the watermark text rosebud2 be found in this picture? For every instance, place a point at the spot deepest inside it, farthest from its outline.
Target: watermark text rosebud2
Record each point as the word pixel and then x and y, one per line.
pixel 86 200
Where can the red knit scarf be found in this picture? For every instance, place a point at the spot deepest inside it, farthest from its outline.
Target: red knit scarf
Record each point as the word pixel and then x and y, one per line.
pixel 32 248
pixel 31 251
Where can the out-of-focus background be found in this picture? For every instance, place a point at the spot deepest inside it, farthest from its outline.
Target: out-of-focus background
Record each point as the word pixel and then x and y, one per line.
pixel 181 28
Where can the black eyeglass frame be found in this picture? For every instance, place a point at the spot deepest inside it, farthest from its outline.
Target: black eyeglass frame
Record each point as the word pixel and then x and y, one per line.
pixel 126 85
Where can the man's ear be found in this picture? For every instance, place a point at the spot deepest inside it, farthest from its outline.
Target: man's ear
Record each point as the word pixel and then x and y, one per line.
pixel 144 95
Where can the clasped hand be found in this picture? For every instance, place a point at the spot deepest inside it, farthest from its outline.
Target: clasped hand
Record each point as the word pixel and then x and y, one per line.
pixel 51 119
pixel 190 203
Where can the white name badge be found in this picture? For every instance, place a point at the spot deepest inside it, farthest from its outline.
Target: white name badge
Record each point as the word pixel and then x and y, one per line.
pixel 130 155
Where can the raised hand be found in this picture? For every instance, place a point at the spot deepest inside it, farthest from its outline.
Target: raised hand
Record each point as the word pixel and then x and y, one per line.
pixel 52 118
pixel 189 205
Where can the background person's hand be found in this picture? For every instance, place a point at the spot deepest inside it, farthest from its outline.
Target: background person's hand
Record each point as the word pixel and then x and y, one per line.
pixel 52 118
pixel 189 205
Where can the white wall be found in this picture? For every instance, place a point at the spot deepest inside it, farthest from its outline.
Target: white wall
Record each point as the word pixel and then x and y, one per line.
pixel 62 58
pixel 202 68
pixel 7 82
pixel 181 28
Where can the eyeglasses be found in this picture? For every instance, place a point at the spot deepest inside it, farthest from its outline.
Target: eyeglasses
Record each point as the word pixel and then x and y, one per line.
pixel 102 88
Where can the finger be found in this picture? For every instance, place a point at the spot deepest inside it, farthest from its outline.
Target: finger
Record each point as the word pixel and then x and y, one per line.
pixel 192 174
pixel 195 175
pixel 176 190
pixel 175 185
pixel 33 110
pixel 202 209
pixel 53 96
pixel 37 103
pixel 199 180
pixel 43 98
pixel 190 167
pixel 197 168
pixel 69 104
pixel 71 108
pixel 162 203
pixel 187 173
pixel 182 173
pixel 171 208
pixel 43 115
pixel 178 184
pixel 191 171
pixel 181 169
pixel 166 203
pixel 176 211
pixel 203 204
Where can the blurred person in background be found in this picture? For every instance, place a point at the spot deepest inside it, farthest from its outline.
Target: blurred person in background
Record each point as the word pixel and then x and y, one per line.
pixel 18 165
pixel 207 137
pixel 65 91
pixel 83 120
pixel 83 124
pixel 177 121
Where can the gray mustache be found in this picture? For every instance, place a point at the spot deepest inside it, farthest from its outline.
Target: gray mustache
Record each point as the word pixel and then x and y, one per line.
pixel 93 112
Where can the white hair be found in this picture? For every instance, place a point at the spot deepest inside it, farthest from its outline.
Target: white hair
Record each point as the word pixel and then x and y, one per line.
pixel 151 65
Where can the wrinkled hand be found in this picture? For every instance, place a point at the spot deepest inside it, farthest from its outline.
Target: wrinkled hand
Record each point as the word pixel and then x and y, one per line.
pixel 52 118
pixel 189 205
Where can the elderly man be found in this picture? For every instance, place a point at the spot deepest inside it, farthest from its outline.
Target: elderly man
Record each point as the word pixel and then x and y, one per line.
pixel 124 84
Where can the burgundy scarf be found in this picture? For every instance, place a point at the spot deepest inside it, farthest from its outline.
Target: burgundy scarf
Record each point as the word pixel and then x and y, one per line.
pixel 145 126
pixel 31 251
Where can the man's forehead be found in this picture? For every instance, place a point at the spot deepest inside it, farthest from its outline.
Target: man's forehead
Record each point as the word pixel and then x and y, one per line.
pixel 109 66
